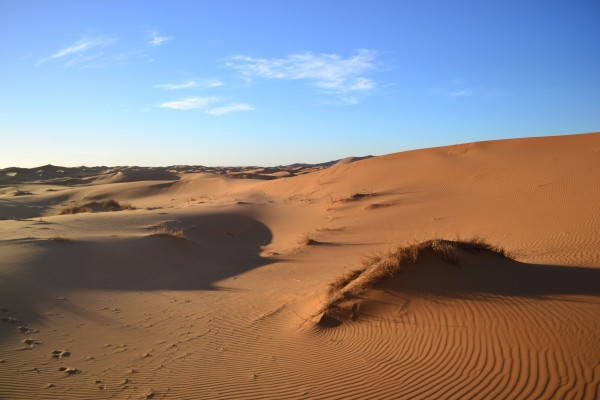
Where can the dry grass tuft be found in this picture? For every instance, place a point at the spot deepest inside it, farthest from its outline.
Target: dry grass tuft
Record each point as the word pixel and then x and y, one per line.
pixel 343 280
pixel 20 192
pixel 306 239
pixel 355 196
pixel 98 206
pixel 382 266
pixel 59 238
pixel 75 210
pixel 171 232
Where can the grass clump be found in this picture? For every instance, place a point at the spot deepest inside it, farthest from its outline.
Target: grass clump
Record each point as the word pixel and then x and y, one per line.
pixel 97 206
pixel 355 197
pixel 306 239
pixel 59 238
pixel 163 230
pixel 380 267
pixel 75 210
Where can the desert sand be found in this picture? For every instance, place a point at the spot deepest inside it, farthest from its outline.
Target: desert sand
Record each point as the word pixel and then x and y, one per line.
pixel 206 283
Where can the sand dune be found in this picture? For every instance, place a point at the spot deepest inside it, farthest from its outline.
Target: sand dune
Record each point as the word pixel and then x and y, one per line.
pixel 209 285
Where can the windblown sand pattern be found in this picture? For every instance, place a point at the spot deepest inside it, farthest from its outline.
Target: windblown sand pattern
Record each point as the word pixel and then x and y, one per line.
pixel 113 304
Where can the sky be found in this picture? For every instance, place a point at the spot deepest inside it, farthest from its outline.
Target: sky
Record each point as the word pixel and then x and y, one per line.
pixel 157 83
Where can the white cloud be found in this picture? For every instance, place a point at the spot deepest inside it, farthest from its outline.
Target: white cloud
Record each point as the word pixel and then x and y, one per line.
pixel 83 59
pixel 233 107
pixel 82 45
pixel 189 103
pixel 177 86
pixel 330 72
pixel 209 83
pixel 90 52
pixel 157 40
pixel 79 52
pixel 362 84
pixel 349 100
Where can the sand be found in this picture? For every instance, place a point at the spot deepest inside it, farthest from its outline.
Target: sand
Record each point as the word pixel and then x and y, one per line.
pixel 206 284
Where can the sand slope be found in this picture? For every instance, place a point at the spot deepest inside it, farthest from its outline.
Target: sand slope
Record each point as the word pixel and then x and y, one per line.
pixel 226 312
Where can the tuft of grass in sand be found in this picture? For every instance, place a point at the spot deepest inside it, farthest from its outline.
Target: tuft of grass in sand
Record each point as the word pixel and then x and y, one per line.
pixel 306 239
pixel 59 238
pixel 75 210
pixel 162 230
pixel 382 266
pixel 331 202
pixel 356 196
pixel 20 192
pixel 104 205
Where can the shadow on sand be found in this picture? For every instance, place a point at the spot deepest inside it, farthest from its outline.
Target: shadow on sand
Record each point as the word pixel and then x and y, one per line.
pixel 492 275
pixel 217 246
pixel 480 274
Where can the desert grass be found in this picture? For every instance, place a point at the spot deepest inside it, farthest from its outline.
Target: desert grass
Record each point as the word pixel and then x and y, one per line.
pixel 380 267
pixel 59 238
pixel 104 205
pixel 163 230
pixel 356 196
pixel 20 192
pixel 75 210
pixel 306 239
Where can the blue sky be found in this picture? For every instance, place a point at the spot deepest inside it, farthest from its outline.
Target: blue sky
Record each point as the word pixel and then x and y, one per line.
pixel 277 82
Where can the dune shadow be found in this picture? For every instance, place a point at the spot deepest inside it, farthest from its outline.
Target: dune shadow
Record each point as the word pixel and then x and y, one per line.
pixel 493 275
pixel 216 247
pixel 481 275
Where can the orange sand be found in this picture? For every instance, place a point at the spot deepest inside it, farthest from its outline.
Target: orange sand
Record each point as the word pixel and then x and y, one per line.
pixel 224 313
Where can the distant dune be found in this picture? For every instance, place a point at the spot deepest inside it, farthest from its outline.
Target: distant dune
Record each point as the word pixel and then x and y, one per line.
pixel 81 175
pixel 193 282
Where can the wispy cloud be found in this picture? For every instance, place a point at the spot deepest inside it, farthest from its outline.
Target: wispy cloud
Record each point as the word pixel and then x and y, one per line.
pixel 208 83
pixel 351 100
pixel 330 72
pixel 84 44
pixel 83 59
pixel 233 107
pixel 189 103
pixel 157 40
pixel 81 51
pixel 100 51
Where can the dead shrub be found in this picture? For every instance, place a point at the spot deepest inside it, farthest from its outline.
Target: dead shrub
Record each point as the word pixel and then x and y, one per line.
pixel 97 206
pixel 163 230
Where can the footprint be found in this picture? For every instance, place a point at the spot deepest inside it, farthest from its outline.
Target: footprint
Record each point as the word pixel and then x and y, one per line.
pixel 69 371
pixel 60 353
pixel 31 342
pixel 26 329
